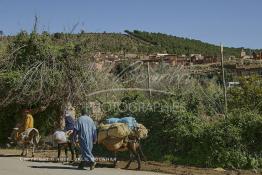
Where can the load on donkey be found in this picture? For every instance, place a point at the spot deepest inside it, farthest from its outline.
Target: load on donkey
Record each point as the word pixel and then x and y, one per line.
pixel 123 134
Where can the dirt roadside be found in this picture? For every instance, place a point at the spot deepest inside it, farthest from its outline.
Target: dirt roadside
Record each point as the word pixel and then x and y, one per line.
pixel 148 166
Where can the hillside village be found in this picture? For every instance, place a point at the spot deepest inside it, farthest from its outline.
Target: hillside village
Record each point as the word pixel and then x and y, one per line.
pixel 157 49
pixel 242 65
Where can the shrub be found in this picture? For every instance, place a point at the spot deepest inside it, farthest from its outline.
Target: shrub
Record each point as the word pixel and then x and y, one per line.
pixel 234 142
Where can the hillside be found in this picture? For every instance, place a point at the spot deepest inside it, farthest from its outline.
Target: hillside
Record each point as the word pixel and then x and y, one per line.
pixel 101 42
pixel 135 42
pixel 178 45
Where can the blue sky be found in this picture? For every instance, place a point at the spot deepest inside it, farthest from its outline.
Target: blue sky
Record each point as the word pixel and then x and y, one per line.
pixel 235 23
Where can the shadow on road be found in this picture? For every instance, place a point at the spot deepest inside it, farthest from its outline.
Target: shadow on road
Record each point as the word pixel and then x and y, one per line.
pixel 98 165
pixel 9 155
pixel 104 165
pixel 54 167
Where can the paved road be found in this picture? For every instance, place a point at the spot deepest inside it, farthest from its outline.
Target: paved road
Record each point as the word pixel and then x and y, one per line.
pixel 15 166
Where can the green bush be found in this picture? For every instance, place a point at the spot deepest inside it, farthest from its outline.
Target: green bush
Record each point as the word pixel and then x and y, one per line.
pixel 234 142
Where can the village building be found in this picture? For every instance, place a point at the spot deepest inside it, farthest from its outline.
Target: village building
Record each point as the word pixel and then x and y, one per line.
pixel 257 56
pixel 244 55
pixel 196 59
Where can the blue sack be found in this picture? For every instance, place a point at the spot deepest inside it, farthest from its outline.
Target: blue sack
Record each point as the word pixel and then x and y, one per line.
pixel 130 121
pixel 112 120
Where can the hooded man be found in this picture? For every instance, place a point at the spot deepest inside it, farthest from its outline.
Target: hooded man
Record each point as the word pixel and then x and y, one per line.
pixel 86 130
pixel 27 122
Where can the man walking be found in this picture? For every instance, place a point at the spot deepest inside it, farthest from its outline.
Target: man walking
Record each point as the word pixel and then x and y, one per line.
pixel 86 130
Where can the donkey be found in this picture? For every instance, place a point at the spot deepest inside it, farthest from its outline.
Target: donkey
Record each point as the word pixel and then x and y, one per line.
pixel 64 140
pixel 29 137
pixel 130 143
pixel 135 150
pixel 73 149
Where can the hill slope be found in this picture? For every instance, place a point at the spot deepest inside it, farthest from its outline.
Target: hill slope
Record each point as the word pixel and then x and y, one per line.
pixel 134 42
pixel 178 45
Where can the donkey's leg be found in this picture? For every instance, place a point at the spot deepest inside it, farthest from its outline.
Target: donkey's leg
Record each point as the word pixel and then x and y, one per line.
pixel 23 150
pixel 138 161
pixel 130 160
pixel 58 151
pixel 141 153
pixel 115 160
pixel 33 150
pixel 136 154
pixel 70 145
pixel 66 151
pixel 76 150
pixel 26 150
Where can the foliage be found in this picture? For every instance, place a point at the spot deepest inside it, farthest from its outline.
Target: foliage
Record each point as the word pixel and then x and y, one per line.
pixel 234 142
pixel 139 42
pixel 247 95
pixel 176 45
pixel 37 73
pixel 192 140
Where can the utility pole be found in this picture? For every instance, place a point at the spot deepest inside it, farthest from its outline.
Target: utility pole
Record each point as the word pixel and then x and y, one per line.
pixel 224 81
pixel 1 34
pixel 35 24
pixel 148 79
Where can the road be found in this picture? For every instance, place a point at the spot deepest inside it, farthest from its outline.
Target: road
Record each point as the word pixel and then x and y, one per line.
pixel 16 166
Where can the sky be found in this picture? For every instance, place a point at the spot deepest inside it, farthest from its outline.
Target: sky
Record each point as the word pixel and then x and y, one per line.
pixel 235 23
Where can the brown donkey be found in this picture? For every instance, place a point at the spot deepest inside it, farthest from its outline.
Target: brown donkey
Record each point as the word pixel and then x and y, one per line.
pixel 128 144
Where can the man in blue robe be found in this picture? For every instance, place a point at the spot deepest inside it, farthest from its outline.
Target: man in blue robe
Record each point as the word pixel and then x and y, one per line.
pixel 86 130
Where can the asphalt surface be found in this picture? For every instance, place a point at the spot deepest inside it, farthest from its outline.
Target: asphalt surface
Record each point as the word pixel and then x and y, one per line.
pixel 18 166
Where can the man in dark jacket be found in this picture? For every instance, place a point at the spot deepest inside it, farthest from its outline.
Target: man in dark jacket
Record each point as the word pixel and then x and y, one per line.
pixel 69 123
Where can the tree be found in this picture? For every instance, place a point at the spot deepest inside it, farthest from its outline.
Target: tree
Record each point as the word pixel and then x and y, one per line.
pixel 39 73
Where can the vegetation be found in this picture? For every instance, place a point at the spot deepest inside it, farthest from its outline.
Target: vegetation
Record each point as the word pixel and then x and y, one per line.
pixel 194 139
pixel 176 45
pixel 183 112
pixel 139 42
